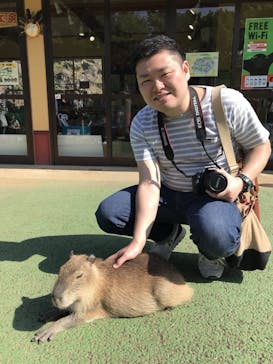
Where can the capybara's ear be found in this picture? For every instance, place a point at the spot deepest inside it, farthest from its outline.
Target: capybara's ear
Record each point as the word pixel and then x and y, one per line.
pixel 71 253
pixel 91 258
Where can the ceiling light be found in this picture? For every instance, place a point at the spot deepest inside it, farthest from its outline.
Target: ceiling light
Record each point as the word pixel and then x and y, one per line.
pixel 81 31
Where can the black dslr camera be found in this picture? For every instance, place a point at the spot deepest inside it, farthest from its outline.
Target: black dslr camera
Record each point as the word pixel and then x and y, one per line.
pixel 208 180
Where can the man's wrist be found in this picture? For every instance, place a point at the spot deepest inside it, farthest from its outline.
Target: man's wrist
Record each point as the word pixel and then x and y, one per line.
pixel 247 183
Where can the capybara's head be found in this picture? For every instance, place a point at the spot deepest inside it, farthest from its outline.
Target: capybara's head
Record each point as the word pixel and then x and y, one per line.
pixel 73 281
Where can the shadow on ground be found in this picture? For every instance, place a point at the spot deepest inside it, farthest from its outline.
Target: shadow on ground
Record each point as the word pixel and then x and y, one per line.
pixel 56 250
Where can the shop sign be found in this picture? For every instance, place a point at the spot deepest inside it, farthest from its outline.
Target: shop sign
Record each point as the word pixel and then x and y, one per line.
pixel 203 64
pixel 8 19
pixel 257 68
pixel 9 74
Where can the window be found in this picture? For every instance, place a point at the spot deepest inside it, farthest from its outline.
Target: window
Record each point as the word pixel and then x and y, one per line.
pixel 208 33
pixel 13 138
pixel 128 28
pixel 78 49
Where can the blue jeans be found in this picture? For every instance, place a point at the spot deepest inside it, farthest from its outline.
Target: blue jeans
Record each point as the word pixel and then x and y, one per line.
pixel 214 224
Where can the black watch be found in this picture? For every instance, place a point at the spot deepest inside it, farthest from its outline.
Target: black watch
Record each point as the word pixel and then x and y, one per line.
pixel 247 183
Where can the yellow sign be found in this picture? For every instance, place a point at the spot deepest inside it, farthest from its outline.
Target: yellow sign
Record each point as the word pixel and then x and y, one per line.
pixel 9 74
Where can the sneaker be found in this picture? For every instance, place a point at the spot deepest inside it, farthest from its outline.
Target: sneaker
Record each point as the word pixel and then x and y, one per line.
pixel 165 247
pixel 211 269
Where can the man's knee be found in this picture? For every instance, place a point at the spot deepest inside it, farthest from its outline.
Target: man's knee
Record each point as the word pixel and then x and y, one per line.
pixel 217 240
pixel 103 217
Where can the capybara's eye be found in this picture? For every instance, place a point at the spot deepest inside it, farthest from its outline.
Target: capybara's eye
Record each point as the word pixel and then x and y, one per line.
pixel 79 275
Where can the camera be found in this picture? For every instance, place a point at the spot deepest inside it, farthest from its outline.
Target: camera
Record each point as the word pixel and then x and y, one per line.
pixel 208 180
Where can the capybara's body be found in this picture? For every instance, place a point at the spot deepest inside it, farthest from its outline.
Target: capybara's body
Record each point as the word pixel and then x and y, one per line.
pixel 91 289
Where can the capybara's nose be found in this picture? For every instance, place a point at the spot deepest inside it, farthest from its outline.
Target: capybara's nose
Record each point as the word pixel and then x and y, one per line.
pixel 54 298
pixel 56 294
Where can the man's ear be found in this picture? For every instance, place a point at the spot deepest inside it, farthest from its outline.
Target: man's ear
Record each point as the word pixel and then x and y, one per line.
pixel 186 69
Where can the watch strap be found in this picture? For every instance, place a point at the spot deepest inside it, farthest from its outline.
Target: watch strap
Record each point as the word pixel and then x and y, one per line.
pixel 247 183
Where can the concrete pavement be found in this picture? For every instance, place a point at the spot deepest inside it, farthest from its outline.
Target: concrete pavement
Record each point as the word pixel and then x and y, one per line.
pixel 9 173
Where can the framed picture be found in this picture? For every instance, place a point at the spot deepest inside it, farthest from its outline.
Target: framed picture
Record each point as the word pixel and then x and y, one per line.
pixel 79 74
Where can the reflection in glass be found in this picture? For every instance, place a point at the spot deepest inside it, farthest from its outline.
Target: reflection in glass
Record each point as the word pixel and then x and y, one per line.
pixel 78 41
pixel 13 139
pixel 207 29
pixel 128 28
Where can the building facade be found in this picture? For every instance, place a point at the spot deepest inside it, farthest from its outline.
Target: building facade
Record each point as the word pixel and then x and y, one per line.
pixel 67 88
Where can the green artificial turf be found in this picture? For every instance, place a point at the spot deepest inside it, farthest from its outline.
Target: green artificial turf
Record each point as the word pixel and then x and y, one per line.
pixel 228 321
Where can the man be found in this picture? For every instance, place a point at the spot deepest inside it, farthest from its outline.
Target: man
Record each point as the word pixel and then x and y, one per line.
pixel 164 198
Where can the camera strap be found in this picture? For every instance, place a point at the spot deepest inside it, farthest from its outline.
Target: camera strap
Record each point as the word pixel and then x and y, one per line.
pixel 166 142
pixel 197 113
pixel 199 124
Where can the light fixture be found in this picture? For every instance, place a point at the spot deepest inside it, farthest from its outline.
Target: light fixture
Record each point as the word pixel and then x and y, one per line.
pixel 58 8
pixel 69 17
pixel 197 6
pixel 81 31
pixel 189 37
pixel 191 26
pixel 92 38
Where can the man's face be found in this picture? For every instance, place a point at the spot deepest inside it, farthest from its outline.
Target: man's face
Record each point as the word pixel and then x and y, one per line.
pixel 162 81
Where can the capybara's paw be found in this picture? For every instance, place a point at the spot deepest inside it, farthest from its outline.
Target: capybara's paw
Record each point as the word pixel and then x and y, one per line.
pixel 43 336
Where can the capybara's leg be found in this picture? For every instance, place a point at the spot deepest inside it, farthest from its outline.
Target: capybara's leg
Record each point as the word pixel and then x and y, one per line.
pixel 62 324
pixel 68 322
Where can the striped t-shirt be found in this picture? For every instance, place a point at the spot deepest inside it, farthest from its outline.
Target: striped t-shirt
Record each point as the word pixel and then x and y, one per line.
pixel 246 132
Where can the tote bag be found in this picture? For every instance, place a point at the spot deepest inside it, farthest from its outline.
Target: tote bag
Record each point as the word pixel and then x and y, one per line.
pixel 255 248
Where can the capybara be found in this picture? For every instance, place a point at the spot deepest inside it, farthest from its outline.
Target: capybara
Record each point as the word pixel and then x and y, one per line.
pixel 90 288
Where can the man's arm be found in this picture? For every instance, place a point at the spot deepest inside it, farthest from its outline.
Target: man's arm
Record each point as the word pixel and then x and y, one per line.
pixel 256 160
pixel 147 200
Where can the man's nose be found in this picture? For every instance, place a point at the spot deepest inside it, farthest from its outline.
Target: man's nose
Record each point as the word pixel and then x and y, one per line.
pixel 158 85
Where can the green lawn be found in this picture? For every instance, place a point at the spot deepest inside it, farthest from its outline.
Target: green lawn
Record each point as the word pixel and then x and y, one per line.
pixel 228 321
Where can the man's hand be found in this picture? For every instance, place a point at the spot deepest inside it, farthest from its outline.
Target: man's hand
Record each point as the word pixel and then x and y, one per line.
pixel 254 162
pixel 233 189
pixel 129 252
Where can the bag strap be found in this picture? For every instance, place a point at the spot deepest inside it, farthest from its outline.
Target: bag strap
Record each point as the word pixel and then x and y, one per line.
pixel 223 129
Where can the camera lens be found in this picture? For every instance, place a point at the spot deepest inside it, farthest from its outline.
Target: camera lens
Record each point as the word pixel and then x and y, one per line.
pixel 216 182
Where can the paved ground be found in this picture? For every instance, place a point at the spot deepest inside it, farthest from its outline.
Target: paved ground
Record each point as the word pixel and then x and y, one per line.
pixel 30 175
pixel 10 174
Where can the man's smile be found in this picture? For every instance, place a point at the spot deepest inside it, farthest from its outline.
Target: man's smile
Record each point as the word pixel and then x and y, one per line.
pixel 161 96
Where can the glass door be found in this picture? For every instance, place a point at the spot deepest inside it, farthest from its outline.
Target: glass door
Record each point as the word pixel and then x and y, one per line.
pixel 128 27
pixel 15 122
pixel 78 66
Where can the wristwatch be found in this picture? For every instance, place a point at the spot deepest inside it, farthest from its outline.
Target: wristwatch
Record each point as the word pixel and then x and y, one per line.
pixel 247 183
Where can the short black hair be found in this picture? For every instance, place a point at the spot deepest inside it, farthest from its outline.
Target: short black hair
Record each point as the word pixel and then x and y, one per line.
pixel 153 45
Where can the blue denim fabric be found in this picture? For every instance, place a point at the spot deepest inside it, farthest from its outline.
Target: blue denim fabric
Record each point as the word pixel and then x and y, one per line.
pixel 214 225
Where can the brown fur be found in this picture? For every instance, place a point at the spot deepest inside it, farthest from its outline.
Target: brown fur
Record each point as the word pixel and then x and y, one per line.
pixel 92 289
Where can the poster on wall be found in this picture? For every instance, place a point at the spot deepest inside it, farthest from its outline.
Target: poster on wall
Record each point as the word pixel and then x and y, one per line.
pixel 9 75
pixel 79 73
pixel 257 68
pixel 203 64
pixel 8 19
